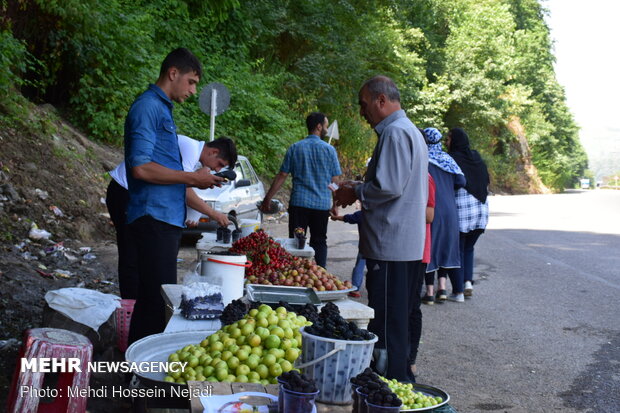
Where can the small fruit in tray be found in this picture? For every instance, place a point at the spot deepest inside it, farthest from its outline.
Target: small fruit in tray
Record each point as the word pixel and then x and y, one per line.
pixel 273 265
pixel 411 399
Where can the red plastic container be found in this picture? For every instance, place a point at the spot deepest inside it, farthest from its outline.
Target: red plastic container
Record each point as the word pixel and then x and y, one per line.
pixel 123 320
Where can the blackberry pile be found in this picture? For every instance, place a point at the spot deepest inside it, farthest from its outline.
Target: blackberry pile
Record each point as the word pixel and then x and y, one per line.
pixel 234 311
pixel 330 324
pixel 380 394
pixel 366 377
pixel 296 382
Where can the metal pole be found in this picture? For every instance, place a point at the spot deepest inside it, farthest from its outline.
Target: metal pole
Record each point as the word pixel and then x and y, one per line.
pixel 213 112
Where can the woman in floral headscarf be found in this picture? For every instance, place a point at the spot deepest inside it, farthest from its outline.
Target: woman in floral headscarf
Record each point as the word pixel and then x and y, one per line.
pixel 445 254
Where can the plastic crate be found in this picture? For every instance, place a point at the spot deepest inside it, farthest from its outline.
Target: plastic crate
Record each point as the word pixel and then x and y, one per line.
pixel 123 320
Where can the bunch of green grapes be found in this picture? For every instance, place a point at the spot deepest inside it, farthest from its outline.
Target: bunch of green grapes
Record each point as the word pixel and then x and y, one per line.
pixel 410 398
pixel 256 349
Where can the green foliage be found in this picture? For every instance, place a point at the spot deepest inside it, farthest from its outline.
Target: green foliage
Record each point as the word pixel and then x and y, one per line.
pixel 12 59
pixel 485 65
pixel 15 61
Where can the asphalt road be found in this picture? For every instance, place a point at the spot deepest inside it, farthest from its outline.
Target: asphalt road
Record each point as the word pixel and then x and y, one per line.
pixel 542 331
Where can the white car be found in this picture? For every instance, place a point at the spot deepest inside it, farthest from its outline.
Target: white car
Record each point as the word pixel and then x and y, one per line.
pixel 237 198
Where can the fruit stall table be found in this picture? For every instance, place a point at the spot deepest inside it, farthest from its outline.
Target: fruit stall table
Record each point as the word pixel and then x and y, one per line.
pixel 350 310
pixel 208 244
pixel 290 245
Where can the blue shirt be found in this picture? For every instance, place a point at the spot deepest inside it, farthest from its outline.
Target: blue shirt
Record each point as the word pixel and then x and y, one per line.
pixel 312 163
pixel 150 136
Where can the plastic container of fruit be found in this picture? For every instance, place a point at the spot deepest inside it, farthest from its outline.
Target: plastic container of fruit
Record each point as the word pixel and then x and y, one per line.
pixel 332 363
pixel 429 391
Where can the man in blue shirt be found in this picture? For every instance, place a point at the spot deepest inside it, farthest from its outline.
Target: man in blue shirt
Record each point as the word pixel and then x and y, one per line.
pixel 156 183
pixel 313 164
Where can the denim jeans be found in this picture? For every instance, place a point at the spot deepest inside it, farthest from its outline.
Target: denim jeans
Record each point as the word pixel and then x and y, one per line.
pixel 357 276
pixel 466 245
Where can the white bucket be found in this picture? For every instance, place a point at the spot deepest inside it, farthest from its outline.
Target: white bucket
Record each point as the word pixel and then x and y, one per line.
pixel 248 226
pixel 227 271
pixel 332 363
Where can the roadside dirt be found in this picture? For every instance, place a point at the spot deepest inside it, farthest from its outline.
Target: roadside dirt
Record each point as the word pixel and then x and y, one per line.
pixel 51 176
pixel 54 179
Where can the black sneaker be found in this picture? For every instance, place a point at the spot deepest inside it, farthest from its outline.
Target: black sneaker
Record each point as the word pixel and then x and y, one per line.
pixel 441 296
pixel 428 300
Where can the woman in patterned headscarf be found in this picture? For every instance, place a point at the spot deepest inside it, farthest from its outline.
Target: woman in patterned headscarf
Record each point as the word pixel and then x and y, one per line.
pixel 445 255
pixel 471 201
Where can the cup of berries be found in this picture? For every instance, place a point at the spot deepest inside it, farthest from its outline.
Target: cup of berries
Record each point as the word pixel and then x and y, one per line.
pixel 298 392
pixel 300 238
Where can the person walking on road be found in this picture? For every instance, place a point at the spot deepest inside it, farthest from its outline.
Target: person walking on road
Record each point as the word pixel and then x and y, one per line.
pixel 445 257
pixel 313 163
pixel 157 186
pixel 393 198
pixel 471 201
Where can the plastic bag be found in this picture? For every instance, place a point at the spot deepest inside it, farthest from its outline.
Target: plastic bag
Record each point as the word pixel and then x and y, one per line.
pixel 201 301
pixel 89 307
pixel 37 234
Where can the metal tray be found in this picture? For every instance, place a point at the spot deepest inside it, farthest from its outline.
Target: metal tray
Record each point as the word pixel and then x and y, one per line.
pixel 429 391
pixel 158 347
pixel 277 293
pixel 334 295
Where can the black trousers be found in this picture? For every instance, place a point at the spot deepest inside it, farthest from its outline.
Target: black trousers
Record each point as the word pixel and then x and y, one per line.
pixel 316 220
pixel 393 292
pixel 415 317
pixel 157 244
pixel 116 200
